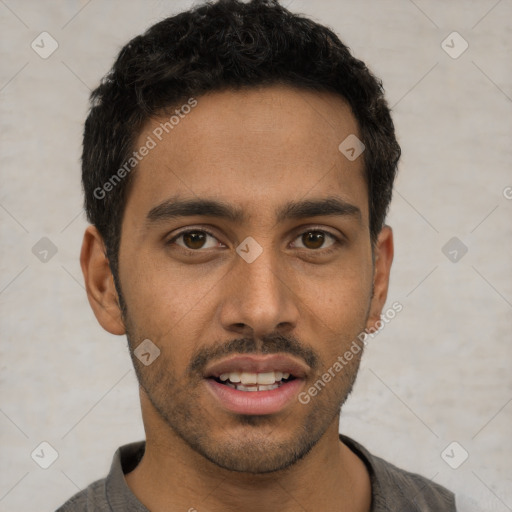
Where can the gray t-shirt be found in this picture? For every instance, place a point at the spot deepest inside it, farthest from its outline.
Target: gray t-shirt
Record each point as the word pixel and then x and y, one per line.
pixel 393 489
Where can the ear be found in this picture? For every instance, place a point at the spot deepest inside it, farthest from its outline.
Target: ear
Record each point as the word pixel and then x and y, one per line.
pixel 99 282
pixel 383 254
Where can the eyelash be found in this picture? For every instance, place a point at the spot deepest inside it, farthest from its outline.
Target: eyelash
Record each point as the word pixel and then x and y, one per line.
pixel 328 250
pixel 186 249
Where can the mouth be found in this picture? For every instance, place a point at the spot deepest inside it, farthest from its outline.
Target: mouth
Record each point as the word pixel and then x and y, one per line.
pixel 255 385
pixel 247 381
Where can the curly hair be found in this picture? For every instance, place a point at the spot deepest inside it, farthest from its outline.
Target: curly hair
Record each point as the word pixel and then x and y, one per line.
pixel 225 45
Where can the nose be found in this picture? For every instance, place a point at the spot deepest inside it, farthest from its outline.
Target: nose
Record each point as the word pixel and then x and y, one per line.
pixel 257 299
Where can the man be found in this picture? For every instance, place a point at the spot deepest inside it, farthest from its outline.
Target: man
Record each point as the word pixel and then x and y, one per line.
pixel 238 165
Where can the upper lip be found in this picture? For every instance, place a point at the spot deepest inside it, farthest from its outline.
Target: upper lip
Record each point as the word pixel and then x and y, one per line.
pixel 257 364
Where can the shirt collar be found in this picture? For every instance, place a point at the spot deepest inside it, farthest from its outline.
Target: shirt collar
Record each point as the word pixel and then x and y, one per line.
pixel 126 458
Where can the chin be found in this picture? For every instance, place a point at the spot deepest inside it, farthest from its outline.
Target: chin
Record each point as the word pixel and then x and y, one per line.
pixel 255 448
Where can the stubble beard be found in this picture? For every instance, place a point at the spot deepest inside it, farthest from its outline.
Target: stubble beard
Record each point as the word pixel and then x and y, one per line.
pixel 243 443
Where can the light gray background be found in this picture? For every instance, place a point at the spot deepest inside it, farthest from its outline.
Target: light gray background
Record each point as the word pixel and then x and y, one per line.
pixel 439 372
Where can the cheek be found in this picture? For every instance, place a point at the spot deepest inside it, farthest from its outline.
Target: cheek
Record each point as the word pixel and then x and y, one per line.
pixel 340 297
pixel 341 315
pixel 163 300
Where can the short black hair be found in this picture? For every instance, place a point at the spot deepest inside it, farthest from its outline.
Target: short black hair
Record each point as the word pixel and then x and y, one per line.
pixel 224 45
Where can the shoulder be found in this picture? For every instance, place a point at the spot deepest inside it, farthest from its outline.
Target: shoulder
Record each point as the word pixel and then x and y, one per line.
pixel 394 489
pixel 91 499
pixel 112 492
pixel 412 490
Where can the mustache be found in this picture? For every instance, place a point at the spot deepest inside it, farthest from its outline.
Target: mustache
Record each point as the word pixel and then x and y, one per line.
pixel 269 344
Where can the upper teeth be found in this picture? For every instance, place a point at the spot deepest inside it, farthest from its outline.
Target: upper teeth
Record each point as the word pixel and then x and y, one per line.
pixel 254 378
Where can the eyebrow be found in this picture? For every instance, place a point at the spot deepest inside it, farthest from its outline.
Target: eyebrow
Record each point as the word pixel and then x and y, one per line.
pixel 176 208
pixel 318 208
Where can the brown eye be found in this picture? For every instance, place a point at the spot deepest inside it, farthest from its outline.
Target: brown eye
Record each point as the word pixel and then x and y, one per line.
pixel 194 239
pixel 313 239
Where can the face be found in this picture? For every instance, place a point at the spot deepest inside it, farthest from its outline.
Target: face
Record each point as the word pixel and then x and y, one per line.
pixel 246 255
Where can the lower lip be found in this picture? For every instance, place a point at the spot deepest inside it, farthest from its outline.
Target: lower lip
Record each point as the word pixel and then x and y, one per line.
pixel 255 402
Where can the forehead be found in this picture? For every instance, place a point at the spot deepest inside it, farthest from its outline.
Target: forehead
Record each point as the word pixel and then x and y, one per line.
pixel 253 148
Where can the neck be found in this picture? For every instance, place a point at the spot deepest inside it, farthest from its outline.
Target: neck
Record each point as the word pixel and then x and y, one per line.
pixel 172 476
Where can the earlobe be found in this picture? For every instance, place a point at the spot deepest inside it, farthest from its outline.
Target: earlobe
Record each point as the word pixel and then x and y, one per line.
pixel 384 250
pixel 99 282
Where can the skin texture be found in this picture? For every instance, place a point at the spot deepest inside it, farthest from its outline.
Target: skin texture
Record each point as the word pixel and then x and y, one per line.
pixel 308 297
